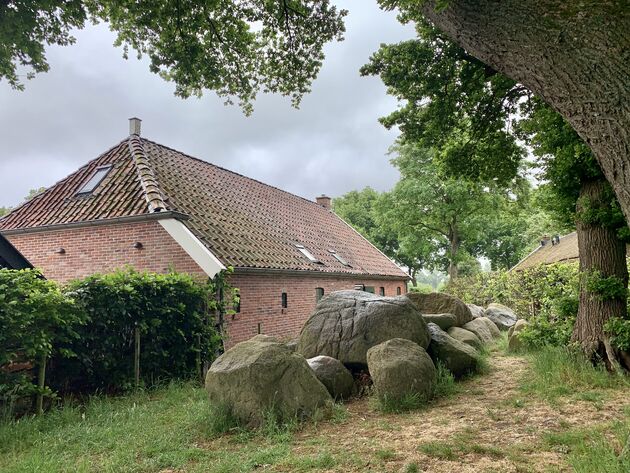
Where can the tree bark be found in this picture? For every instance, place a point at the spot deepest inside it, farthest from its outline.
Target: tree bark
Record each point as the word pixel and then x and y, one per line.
pixel 575 55
pixel 601 251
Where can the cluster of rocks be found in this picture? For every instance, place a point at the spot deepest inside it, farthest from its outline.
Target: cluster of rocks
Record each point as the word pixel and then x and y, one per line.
pixel 397 340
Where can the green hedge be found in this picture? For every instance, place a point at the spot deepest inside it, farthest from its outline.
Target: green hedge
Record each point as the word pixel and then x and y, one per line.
pixel 85 334
pixel 546 295
pixel 174 314
pixel 36 320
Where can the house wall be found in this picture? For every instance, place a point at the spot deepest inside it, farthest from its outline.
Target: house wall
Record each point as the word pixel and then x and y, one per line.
pixel 261 302
pixel 105 248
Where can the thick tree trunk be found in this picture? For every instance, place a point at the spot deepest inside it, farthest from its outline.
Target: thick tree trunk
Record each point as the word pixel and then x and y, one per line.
pixel 576 55
pixel 601 252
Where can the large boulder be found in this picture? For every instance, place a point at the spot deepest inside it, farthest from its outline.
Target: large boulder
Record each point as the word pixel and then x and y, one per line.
pixel 458 357
pixel 476 310
pixel 346 324
pixel 514 341
pixel 440 303
pixel 399 367
pixel 444 321
pixel 261 374
pixel 479 328
pixel 502 316
pixel 336 377
pixel 465 336
pixel 494 330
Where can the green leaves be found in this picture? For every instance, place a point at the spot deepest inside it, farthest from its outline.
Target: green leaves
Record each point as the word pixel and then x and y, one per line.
pixel 236 48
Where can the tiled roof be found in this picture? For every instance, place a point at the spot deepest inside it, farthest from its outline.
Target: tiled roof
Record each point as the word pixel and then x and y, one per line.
pixel 565 251
pixel 245 223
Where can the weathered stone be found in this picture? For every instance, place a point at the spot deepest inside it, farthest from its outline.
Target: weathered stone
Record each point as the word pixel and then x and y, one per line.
pixel 479 328
pixel 292 344
pixel 465 336
pixel 494 330
pixel 399 367
pixel 476 310
pixel 444 321
pixel 458 357
pixel 502 316
pixel 514 341
pixel 440 303
pixel 346 324
pixel 261 374
pixel 336 377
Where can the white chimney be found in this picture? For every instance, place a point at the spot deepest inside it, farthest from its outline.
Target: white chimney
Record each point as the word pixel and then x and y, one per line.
pixel 134 126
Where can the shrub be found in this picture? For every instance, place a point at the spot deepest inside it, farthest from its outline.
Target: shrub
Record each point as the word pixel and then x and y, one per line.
pixel 35 320
pixel 173 314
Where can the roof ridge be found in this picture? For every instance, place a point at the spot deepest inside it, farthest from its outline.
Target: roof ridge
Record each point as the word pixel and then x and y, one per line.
pixel 152 192
pixel 207 163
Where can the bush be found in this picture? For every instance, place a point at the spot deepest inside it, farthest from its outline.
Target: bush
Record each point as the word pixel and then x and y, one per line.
pixel 35 320
pixel 173 313
pixel 546 295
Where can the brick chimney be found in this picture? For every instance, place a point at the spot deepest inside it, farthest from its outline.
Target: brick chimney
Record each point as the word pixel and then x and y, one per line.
pixel 134 126
pixel 324 201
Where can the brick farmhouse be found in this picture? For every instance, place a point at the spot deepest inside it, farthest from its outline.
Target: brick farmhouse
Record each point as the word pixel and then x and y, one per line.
pixel 147 206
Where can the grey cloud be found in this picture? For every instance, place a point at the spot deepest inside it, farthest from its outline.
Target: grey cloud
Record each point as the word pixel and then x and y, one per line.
pixel 332 144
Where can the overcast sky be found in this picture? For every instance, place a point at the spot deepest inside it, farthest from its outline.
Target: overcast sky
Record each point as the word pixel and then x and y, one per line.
pixel 79 109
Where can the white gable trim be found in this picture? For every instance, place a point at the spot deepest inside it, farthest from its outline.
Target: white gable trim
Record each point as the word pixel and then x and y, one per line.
pixel 191 245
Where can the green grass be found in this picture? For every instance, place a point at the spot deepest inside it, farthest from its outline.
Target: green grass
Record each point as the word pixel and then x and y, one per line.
pixel 559 372
pixel 605 449
pixel 174 427
pixel 462 443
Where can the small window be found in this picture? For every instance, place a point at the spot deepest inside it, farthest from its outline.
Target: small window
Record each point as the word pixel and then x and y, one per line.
pixel 369 289
pixel 307 253
pixel 381 291
pixel 95 180
pixel 398 291
pixel 319 293
pixel 339 258
pixel 285 302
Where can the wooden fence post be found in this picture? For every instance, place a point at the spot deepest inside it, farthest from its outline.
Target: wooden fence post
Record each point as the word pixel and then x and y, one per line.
pixel 136 358
pixel 41 382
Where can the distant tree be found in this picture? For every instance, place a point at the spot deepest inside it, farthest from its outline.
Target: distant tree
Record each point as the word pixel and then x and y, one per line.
pixel 32 193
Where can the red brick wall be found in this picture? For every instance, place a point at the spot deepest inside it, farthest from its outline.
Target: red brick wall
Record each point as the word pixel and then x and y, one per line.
pixel 105 248
pixel 261 302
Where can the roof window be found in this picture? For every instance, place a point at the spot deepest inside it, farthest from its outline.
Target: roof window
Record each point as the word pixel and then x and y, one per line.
pixel 308 254
pixel 339 258
pixel 95 180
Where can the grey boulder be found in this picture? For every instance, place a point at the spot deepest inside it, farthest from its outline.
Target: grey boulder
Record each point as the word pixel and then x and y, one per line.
pixel 346 324
pixel 444 321
pixel 459 358
pixel 480 328
pixel 336 377
pixel 440 303
pixel 476 310
pixel 465 336
pixel 494 330
pixel 399 367
pixel 514 341
pixel 502 316
pixel 262 374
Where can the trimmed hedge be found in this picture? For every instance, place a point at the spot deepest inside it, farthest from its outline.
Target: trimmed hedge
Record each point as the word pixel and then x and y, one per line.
pixel 86 333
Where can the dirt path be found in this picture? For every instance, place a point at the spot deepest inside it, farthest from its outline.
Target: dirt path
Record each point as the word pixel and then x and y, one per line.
pixel 489 427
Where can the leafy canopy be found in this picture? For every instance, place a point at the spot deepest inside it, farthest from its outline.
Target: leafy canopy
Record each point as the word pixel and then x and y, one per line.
pixel 234 47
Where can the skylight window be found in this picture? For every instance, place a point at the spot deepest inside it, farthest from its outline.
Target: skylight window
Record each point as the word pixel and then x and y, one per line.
pixel 95 180
pixel 307 253
pixel 339 258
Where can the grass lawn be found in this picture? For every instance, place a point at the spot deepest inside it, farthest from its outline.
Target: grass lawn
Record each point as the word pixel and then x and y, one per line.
pixel 541 412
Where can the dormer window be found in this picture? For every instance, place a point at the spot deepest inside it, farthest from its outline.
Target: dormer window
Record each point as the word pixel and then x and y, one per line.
pixel 307 253
pixel 93 182
pixel 339 258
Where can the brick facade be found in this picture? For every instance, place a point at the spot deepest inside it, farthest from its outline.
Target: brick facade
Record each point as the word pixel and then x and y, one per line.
pixel 104 248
